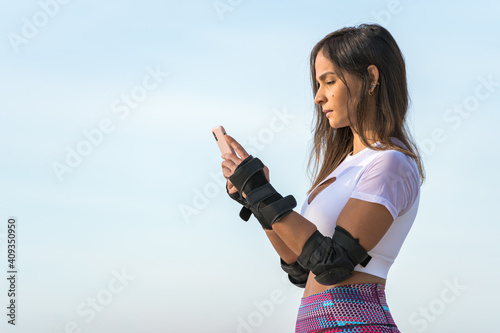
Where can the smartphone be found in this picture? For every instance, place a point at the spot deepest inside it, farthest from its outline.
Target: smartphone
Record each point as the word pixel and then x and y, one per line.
pixel 224 146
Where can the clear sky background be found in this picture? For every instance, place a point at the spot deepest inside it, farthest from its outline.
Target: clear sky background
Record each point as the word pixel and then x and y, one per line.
pixel 110 166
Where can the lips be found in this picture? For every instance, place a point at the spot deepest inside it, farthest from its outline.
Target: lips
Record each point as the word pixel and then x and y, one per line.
pixel 327 112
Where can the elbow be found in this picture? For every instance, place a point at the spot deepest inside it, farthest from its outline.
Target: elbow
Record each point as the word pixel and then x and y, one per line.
pixel 333 259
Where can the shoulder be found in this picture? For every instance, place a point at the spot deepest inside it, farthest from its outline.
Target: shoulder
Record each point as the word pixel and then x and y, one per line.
pixel 393 171
pixel 395 163
pixel 392 179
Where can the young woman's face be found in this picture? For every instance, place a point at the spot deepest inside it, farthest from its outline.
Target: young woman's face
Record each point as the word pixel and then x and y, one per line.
pixel 332 92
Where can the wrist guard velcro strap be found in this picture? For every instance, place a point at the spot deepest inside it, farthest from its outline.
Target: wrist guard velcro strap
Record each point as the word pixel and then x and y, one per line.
pixel 332 260
pixel 249 167
pixel 265 202
pixel 296 273
pixel 270 204
pixel 245 211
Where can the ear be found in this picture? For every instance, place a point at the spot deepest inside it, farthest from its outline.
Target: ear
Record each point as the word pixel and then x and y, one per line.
pixel 373 72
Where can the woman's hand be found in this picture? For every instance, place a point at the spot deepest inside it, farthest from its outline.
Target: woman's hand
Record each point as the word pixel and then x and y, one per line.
pixel 231 162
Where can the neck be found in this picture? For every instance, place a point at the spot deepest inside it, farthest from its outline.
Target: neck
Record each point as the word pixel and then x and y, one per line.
pixel 358 145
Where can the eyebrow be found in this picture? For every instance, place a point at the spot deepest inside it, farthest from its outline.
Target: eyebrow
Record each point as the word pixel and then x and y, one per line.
pixel 325 74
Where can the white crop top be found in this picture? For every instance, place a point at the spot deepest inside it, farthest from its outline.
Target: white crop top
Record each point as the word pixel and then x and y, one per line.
pixel 389 178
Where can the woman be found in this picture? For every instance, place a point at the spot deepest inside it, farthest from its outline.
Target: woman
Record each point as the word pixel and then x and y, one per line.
pixel 364 199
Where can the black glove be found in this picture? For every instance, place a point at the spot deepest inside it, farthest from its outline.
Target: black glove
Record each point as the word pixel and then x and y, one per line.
pixel 245 212
pixel 263 200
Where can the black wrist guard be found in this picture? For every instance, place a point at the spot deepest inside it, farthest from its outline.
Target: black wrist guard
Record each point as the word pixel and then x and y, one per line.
pixel 264 201
pixel 296 273
pixel 245 211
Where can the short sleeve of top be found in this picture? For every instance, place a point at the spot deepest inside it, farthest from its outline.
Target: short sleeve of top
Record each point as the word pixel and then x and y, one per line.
pixel 392 180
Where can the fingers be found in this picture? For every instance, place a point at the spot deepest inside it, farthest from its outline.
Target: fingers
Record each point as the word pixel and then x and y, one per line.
pixel 231 188
pixel 236 146
pixel 226 172
pixel 231 161
pixel 228 168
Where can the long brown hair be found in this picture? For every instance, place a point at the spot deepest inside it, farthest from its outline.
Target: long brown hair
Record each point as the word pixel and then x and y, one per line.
pixel 352 50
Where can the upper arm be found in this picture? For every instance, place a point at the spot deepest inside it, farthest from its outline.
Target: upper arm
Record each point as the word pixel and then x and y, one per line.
pixel 387 188
pixel 365 220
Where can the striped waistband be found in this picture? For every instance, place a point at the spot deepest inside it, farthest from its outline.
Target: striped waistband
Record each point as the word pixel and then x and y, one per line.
pixel 354 306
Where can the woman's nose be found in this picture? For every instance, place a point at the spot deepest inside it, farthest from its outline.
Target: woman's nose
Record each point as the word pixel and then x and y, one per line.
pixel 319 98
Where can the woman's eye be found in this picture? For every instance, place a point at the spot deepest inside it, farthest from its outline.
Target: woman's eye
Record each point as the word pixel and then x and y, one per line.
pixel 328 83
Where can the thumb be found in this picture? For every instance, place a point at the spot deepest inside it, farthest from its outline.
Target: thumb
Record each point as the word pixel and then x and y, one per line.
pixel 230 187
pixel 266 172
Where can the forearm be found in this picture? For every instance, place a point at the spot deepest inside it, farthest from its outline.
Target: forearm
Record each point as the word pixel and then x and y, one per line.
pixel 294 230
pixel 281 248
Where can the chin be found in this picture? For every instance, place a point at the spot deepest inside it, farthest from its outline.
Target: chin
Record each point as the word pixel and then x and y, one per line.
pixel 336 125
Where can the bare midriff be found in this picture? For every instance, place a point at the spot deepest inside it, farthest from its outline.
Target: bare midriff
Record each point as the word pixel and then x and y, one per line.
pixel 313 287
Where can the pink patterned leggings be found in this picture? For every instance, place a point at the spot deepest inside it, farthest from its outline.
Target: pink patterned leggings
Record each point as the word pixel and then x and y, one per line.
pixel 352 308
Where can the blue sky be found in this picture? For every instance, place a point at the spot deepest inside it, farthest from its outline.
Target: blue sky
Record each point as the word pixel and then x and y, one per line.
pixel 147 200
